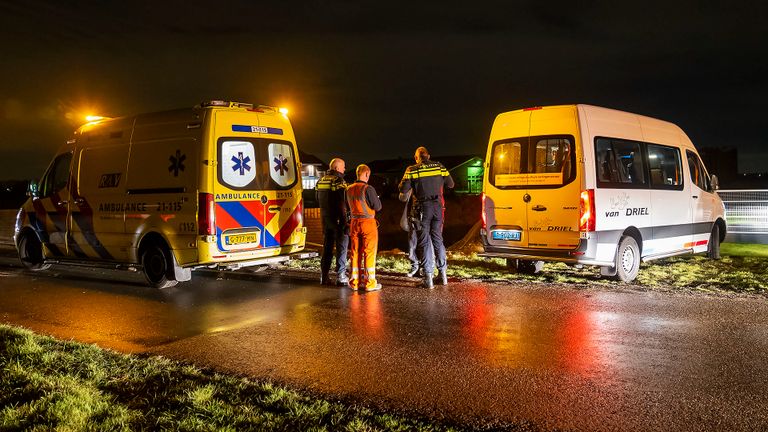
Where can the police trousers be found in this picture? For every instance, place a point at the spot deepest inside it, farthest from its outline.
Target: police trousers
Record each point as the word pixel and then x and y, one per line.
pixel 364 242
pixel 335 236
pixel 431 255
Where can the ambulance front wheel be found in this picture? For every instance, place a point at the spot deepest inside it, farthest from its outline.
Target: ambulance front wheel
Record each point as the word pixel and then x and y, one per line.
pixel 627 259
pixel 157 265
pixel 31 252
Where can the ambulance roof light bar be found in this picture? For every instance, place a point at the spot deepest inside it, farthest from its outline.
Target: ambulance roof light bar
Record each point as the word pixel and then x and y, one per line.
pixel 229 104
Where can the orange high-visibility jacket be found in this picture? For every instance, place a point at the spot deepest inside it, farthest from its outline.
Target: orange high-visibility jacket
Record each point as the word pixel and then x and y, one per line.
pixel 357 202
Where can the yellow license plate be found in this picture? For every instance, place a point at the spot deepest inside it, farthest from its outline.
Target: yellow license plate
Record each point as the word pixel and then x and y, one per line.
pixel 237 239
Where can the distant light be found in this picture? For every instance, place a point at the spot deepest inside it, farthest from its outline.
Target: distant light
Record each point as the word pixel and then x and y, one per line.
pixel 93 118
pixel 283 111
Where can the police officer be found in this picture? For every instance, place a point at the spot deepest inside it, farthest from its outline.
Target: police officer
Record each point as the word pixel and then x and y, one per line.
pixel 427 179
pixel 333 211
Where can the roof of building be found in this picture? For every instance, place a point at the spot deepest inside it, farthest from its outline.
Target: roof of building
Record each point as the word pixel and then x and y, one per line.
pixel 310 159
pixel 398 166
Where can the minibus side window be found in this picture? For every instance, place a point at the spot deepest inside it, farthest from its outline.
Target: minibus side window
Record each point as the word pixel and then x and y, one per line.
pixel 698 174
pixel 664 167
pixel 619 164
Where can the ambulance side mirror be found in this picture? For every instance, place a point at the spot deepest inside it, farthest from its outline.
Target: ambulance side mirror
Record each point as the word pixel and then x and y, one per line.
pixel 33 189
pixel 714 183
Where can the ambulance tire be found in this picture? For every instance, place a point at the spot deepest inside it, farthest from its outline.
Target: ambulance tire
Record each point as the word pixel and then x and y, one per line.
pixel 157 265
pixel 31 252
pixel 713 251
pixel 529 267
pixel 627 263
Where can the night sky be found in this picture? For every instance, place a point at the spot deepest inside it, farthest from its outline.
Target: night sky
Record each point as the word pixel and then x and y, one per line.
pixel 371 82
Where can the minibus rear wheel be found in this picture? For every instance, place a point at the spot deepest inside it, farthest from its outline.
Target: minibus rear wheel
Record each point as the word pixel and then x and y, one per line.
pixel 31 252
pixel 627 259
pixel 713 251
pixel 157 265
pixel 529 267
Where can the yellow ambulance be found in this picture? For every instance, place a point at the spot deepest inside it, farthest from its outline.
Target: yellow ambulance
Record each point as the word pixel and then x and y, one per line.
pixel 214 186
pixel 582 184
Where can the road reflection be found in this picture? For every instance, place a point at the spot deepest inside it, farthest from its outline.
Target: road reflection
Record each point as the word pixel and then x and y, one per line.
pixel 519 336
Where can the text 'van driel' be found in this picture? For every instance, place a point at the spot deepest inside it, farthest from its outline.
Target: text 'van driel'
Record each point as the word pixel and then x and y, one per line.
pixel 213 186
pixel 586 185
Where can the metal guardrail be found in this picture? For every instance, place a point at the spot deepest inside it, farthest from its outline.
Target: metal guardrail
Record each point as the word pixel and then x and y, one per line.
pixel 746 211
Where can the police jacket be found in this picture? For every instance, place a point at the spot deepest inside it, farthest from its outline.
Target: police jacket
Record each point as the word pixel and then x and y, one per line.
pixel 330 194
pixel 426 179
pixel 362 200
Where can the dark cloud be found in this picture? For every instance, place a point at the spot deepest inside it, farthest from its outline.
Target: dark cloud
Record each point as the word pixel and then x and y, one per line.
pixel 374 81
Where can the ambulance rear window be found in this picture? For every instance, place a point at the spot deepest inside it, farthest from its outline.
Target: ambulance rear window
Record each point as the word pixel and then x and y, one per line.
pixel 535 162
pixel 256 164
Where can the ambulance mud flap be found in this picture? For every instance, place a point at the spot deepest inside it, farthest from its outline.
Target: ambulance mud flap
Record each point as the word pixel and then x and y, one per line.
pixel 180 273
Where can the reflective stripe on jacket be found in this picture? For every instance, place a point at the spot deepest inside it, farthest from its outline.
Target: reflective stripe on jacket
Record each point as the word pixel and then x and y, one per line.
pixel 357 202
pixel 427 180
pixel 330 195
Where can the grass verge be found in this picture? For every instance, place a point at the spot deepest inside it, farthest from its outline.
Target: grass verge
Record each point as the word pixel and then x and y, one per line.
pixel 47 384
pixel 743 269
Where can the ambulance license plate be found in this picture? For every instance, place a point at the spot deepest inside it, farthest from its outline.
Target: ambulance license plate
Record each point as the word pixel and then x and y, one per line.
pixel 506 235
pixel 236 239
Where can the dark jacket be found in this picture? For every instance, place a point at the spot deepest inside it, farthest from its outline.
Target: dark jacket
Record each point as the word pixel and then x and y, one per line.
pixel 426 179
pixel 330 194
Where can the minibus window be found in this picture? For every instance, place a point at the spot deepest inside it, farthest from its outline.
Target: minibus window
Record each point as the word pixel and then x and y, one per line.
pixel 256 164
pixel 664 167
pixel 698 174
pixel 619 164
pixel 514 161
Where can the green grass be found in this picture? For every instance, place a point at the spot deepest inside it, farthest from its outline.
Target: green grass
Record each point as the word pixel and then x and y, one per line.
pixel 47 384
pixel 744 250
pixel 743 269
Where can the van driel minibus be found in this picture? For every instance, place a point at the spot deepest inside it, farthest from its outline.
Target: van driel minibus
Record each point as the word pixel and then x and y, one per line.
pixel 587 185
pixel 213 186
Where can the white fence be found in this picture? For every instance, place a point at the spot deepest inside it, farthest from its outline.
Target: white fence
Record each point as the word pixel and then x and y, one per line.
pixel 746 212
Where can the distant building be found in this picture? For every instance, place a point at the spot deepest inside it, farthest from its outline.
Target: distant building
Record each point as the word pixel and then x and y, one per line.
pixel 466 170
pixel 312 169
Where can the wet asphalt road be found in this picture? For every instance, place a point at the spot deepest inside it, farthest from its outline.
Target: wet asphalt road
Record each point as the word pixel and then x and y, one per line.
pixel 479 354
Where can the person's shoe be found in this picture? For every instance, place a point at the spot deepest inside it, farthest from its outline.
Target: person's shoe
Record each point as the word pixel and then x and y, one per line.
pixel 442 278
pixel 342 282
pixel 428 283
pixel 325 280
pixel 375 288
pixel 414 271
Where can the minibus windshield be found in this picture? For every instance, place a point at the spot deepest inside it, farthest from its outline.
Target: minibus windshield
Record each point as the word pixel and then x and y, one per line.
pixel 539 161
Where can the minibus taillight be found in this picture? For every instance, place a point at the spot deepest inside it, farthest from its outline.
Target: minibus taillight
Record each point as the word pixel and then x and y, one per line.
pixel 587 210
pixel 205 210
pixel 482 210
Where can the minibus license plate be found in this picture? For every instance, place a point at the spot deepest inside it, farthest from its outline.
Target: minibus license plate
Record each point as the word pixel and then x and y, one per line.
pixel 506 235
pixel 236 239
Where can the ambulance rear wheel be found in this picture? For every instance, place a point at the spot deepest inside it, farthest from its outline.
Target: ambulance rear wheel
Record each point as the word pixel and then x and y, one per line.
pixel 627 259
pixel 157 265
pixel 31 252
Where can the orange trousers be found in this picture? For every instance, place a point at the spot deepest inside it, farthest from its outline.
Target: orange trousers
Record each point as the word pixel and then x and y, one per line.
pixel 363 243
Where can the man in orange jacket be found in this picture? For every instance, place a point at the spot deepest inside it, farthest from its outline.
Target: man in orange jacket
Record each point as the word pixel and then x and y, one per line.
pixel 363 203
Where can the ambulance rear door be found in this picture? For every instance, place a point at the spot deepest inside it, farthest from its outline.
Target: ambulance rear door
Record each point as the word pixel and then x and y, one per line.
pixel 255 181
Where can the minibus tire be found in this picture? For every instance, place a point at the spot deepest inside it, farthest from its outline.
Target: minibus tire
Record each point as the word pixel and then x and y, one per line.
pixel 713 251
pixel 529 267
pixel 31 252
pixel 627 259
pixel 157 266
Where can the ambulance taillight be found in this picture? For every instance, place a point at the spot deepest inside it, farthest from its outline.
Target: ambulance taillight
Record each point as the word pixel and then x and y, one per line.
pixel 482 211
pixel 205 210
pixel 587 211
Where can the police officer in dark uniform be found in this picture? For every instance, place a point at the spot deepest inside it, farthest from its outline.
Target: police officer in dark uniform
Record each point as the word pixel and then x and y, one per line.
pixel 333 211
pixel 427 179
